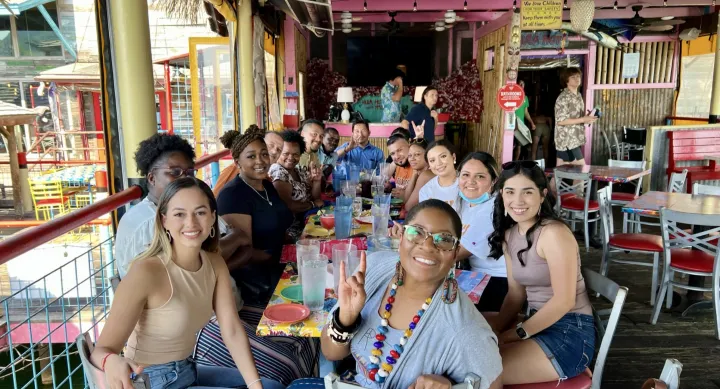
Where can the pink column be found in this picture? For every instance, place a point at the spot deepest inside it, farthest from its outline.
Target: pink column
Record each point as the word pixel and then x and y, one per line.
pixel 589 97
pixel 330 51
pixel 474 32
pixel 450 51
pixel 290 68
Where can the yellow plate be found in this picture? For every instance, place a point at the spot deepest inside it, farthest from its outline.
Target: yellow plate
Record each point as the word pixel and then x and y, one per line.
pixel 317 232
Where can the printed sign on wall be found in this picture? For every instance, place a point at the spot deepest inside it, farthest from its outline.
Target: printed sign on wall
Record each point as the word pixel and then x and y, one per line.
pixel 541 14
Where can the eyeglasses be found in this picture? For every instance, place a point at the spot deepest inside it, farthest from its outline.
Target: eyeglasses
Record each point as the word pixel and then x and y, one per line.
pixel 177 172
pixel 443 241
pixel 418 141
pixel 523 164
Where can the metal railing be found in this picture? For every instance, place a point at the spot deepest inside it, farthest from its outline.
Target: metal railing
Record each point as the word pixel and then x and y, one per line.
pixel 43 310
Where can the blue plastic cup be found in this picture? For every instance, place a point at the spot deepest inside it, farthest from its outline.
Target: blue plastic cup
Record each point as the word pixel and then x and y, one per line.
pixel 343 221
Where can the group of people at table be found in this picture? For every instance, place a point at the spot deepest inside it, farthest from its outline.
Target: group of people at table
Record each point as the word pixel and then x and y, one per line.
pixel 185 254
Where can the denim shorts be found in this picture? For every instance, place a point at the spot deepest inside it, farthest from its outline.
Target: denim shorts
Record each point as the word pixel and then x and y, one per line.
pixel 570 155
pixel 569 344
pixel 187 374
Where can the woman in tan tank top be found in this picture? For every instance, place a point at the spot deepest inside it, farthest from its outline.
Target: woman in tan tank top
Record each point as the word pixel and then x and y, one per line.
pixel 557 340
pixel 168 295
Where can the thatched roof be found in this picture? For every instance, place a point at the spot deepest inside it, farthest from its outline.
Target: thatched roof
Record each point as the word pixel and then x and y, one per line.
pixel 11 115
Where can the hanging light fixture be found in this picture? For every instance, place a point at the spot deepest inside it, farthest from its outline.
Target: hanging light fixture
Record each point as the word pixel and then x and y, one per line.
pixel 465 6
pixel 581 15
pixel 414 6
pixel 564 3
pixel 514 4
pixel 615 5
pixel 664 3
pixel 365 6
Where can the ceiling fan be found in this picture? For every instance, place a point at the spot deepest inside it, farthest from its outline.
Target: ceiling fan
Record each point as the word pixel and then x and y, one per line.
pixel 392 27
pixel 440 26
pixel 639 23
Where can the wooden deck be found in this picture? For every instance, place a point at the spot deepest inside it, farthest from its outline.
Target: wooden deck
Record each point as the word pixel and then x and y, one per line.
pixel 639 349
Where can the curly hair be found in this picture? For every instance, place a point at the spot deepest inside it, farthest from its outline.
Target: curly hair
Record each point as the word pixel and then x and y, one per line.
pixel 292 136
pixel 237 142
pixel 502 222
pixel 155 148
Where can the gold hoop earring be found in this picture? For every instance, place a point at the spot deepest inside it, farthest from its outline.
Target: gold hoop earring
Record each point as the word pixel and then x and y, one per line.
pixel 212 232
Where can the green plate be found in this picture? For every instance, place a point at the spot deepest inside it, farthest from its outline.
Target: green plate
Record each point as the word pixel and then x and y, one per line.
pixel 293 293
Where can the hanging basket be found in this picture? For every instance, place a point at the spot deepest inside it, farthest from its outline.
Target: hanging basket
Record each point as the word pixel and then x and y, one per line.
pixel 581 15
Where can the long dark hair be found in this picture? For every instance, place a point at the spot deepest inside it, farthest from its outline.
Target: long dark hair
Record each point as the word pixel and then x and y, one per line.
pixel 488 161
pixel 503 222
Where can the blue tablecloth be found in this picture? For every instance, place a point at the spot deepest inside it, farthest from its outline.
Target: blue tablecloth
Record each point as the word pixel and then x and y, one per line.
pixel 73 176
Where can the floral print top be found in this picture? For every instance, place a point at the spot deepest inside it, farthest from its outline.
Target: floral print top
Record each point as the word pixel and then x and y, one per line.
pixel 301 190
pixel 391 109
pixel 569 106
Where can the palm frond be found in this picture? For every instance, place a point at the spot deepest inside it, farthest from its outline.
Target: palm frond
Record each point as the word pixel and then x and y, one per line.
pixel 187 10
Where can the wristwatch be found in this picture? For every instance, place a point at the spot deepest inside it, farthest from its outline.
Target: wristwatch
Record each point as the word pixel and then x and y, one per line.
pixel 522 334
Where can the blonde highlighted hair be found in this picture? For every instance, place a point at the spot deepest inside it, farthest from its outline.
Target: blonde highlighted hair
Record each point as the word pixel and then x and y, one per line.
pixel 162 242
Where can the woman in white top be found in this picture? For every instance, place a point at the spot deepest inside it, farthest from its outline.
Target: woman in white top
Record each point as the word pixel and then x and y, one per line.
pixel 477 174
pixel 440 156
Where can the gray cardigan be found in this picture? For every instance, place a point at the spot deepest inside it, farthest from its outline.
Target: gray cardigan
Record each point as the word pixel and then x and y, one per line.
pixel 453 340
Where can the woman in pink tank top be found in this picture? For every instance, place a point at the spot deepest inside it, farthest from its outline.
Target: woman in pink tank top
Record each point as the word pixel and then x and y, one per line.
pixel 169 294
pixel 557 340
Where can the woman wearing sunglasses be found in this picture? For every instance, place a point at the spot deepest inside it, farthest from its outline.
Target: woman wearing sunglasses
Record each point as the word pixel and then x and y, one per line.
pixel 475 204
pixel 162 159
pixel 557 339
pixel 406 323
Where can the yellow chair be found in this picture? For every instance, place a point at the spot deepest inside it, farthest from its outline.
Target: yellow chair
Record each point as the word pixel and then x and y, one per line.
pixel 48 196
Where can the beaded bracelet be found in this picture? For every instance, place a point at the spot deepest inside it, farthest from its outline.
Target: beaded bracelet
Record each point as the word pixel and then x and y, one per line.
pixel 340 334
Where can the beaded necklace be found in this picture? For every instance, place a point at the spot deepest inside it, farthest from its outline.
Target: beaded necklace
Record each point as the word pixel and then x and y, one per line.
pixel 378 369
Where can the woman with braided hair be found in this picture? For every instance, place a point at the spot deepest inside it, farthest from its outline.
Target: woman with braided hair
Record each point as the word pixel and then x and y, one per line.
pixel 250 203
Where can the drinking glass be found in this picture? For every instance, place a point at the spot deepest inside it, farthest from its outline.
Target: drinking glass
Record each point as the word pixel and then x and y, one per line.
pixel 314 280
pixel 377 189
pixel 353 262
pixel 357 206
pixel 343 221
pixel 303 249
pixel 341 254
pixel 380 216
pixel 349 188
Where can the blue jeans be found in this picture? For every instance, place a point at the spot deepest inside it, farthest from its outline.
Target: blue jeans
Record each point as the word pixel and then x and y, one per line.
pixel 186 374
pixel 569 343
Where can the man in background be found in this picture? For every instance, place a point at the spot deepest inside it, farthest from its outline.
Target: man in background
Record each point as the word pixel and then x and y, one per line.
pixel 327 155
pixel 359 150
pixel 312 132
pixel 390 97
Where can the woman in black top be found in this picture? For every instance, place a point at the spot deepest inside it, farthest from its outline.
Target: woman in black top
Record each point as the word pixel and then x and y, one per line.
pixel 423 113
pixel 250 203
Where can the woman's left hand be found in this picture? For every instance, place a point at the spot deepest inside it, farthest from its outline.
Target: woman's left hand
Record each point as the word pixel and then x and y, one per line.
pixel 431 381
pixel 508 336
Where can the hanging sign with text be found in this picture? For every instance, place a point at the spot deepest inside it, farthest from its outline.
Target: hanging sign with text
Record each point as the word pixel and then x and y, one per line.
pixel 510 97
pixel 541 14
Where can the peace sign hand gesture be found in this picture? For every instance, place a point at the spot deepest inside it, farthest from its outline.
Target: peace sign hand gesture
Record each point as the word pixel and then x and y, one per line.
pixel 351 293
pixel 419 129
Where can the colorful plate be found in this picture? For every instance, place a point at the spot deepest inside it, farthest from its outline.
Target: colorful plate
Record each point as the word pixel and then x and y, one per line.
pixel 293 293
pixel 287 313
pixel 364 219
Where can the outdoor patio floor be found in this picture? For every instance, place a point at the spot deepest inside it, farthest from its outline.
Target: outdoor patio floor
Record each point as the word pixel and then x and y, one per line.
pixel 639 349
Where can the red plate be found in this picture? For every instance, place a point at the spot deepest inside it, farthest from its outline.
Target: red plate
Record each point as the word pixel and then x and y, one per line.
pixel 287 313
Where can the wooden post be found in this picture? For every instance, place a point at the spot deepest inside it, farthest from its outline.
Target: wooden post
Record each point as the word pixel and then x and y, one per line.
pixel 9 133
pixel 715 96
pixel 44 356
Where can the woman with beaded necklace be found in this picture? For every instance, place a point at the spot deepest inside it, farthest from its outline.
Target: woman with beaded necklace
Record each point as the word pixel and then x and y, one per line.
pixel 412 327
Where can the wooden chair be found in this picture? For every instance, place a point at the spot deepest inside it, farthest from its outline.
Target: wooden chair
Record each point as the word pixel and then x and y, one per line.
pixel 605 331
pixel 638 243
pixel 48 196
pixel 573 191
pixel 691 253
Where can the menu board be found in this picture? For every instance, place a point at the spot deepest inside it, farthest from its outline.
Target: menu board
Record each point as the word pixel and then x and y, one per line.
pixel 541 14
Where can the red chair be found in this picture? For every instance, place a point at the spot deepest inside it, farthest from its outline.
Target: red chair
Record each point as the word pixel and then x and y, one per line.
pixel 574 204
pixel 605 332
pixel 690 253
pixel 637 243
